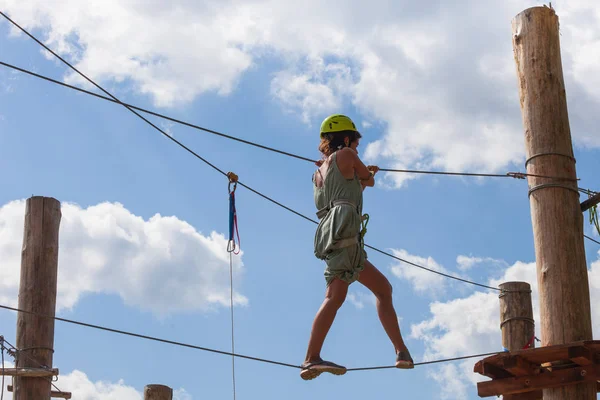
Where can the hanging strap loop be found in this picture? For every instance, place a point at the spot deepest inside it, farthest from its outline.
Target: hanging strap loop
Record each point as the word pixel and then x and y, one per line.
pixel 233 223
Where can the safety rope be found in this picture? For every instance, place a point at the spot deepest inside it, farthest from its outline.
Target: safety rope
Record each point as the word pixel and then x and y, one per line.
pixel 592 239
pixel 515 175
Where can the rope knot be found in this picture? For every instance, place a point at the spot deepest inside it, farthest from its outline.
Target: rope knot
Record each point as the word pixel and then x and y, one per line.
pixel 516 175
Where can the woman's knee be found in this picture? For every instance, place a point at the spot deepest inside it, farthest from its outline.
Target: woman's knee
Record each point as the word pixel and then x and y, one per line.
pixel 385 293
pixel 336 294
pixel 336 300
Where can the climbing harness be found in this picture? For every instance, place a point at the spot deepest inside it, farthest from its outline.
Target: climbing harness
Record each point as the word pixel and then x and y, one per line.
pixel 325 210
pixel 233 225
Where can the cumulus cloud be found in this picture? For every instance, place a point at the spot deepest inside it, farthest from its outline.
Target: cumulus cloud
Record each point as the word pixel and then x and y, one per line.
pixel 315 91
pixel 422 280
pixel 465 263
pixel 172 52
pixel 446 98
pixel 471 325
pixel 161 264
pixel 359 299
pixel 81 387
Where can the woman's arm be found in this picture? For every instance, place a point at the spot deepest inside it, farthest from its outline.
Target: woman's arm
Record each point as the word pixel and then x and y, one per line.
pixel 350 164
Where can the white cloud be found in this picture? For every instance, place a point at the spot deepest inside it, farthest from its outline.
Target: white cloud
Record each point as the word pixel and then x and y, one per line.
pixel 359 299
pixel 422 280
pixel 465 263
pixel 82 387
pixel 594 277
pixel 314 91
pixel 471 325
pixel 447 99
pixel 163 264
pixel 448 377
pixel 172 52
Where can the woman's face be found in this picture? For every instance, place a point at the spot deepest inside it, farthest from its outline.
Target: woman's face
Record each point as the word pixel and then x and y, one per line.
pixel 354 145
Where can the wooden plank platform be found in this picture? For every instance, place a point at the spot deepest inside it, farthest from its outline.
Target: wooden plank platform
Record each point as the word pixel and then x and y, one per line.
pixel 523 374
pixel 30 372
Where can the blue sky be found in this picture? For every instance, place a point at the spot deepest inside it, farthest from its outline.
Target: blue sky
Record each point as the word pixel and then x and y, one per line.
pixel 113 173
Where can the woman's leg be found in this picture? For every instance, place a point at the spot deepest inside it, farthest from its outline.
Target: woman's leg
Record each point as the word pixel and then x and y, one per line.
pixel 377 283
pixel 334 298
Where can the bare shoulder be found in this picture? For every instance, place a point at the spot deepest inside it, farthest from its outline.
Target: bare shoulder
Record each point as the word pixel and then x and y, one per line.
pixel 346 156
pixel 345 161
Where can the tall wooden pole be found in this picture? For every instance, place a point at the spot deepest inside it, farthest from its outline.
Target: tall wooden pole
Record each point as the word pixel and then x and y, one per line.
pixel 37 293
pixel 555 211
pixel 158 392
pixel 517 323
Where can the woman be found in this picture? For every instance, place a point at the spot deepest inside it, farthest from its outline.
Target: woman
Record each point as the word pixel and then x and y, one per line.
pixel 338 186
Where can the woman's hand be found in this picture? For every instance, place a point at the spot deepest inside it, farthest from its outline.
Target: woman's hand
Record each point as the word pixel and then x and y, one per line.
pixel 319 163
pixel 373 169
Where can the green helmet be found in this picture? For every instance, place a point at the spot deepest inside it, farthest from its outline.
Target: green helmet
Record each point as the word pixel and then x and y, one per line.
pixel 337 123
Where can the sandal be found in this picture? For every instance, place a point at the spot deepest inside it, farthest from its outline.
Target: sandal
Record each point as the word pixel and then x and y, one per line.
pixel 404 360
pixel 313 369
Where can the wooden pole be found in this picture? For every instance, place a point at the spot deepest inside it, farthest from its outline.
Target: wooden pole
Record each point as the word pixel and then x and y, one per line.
pixel 555 210
pixel 37 293
pixel 516 316
pixel 158 392
pixel 517 323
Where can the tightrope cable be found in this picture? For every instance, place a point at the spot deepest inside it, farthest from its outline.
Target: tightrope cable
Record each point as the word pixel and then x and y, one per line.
pixel 516 175
pixel 427 362
pixel 137 335
pixel 156 339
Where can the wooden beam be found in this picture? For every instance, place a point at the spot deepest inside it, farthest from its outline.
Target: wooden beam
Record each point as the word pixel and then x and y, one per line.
pixel 554 379
pixel 518 366
pixel 494 372
pixel 591 202
pixel 545 354
pixel 581 355
pixel 29 372
pixel 557 222
pixel 53 394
